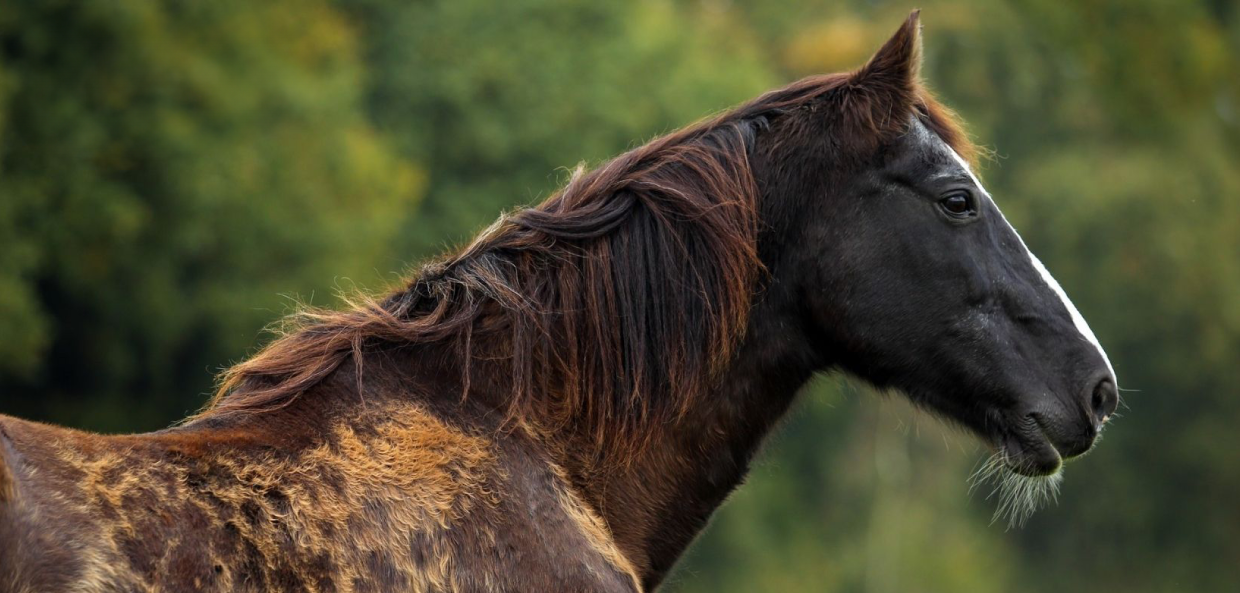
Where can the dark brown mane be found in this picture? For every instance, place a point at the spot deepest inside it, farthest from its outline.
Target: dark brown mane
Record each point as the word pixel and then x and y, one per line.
pixel 615 302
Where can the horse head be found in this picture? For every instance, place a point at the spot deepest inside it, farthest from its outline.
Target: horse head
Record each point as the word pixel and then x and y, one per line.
pixel 911 276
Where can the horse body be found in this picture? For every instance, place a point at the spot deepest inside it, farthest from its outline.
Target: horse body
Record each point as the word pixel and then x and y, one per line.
pixel 381 497
pixel 563 404
pixel 399 490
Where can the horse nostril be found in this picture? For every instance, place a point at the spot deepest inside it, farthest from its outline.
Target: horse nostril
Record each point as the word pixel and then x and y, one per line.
pixel 1104 400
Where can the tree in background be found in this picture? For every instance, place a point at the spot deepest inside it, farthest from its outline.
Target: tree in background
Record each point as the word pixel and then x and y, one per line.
pixel 498 100
pixel 167 171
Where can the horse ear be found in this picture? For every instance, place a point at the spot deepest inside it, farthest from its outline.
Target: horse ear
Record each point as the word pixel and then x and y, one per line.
pixel 898 62
pixel 888 83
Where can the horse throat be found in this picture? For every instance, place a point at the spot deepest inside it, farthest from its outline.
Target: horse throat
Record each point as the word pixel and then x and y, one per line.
pixel 656 504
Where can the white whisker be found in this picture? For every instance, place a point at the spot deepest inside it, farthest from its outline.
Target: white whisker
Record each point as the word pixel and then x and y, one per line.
pixel 1018 495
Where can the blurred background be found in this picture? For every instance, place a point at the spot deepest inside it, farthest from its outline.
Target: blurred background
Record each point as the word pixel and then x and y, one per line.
pixel 173 174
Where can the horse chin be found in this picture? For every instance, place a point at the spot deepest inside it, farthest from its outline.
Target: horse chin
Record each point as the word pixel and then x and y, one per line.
pixel 1026 450
pixel 1023 475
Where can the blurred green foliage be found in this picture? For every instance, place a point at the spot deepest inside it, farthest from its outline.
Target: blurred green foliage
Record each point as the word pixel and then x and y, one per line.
pixel 171 172
pixel 167 171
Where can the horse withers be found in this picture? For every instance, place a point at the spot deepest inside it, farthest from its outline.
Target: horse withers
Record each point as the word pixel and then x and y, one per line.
pixel 563 403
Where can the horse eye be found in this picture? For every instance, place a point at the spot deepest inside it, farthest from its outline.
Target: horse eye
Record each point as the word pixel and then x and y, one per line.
pixel 957 204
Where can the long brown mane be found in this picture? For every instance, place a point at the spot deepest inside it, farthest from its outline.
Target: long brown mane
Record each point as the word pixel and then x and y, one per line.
pixel 617 301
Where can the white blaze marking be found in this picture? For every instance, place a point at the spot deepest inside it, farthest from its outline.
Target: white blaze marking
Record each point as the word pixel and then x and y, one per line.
pixel 1050 281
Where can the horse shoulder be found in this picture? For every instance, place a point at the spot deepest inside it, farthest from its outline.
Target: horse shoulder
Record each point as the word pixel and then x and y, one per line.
pixel 547 538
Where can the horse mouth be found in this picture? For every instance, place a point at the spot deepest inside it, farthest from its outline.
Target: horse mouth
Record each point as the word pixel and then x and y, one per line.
pixel 1027 450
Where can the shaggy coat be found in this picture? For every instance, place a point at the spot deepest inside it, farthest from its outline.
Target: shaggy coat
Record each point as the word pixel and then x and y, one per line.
pixel 559 406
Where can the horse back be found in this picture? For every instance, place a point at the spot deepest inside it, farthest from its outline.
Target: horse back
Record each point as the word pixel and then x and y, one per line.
pixel 394 500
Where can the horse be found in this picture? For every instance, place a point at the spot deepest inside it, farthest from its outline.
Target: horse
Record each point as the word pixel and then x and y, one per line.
pixel 564 402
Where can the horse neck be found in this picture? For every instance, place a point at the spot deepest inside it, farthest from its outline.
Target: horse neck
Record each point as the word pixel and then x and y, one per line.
pixel 659 501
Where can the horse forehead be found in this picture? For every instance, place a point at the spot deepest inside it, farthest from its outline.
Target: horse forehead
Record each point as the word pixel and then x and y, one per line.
pixel 934 156
pixel 938 156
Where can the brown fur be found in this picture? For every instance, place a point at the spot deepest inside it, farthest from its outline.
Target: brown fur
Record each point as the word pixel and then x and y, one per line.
pixel 7 487
pixel 389 498
pixel 559 406
pixel 562 295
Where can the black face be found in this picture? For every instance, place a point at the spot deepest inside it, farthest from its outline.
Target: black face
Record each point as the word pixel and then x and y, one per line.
pixel 921 284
